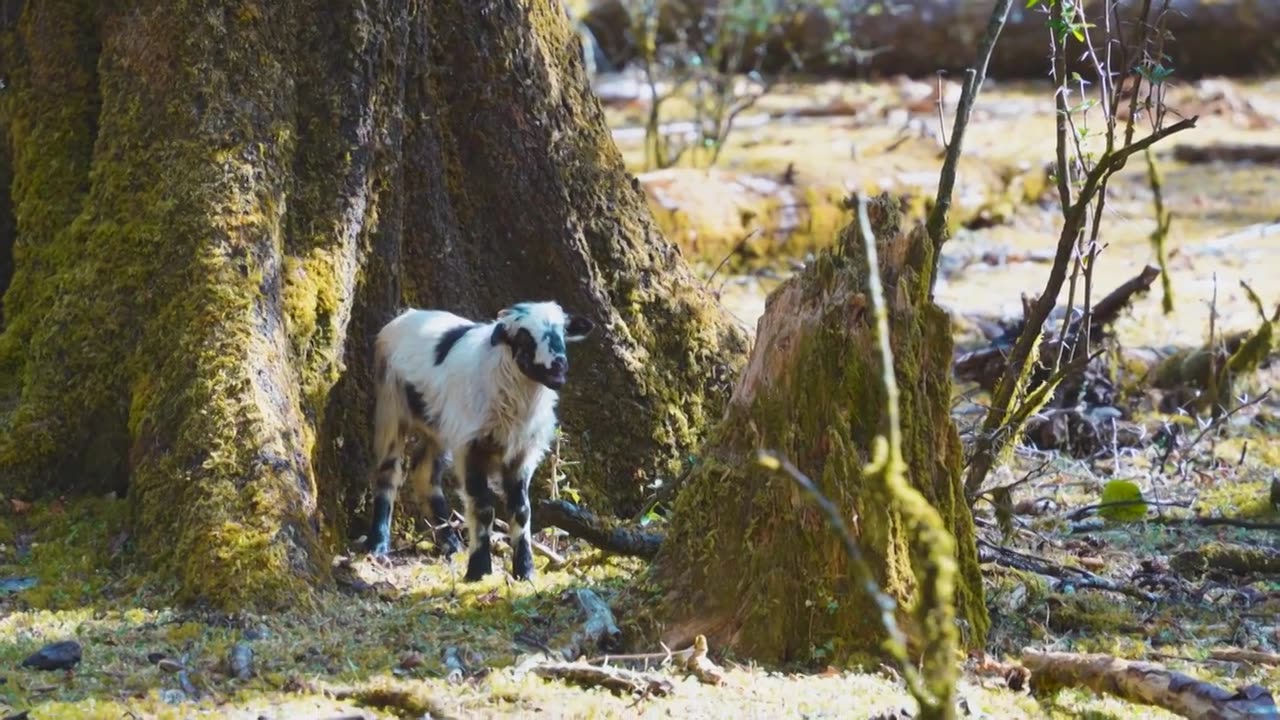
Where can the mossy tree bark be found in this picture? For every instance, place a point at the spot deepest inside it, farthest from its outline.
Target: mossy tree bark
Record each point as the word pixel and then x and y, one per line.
pixel 219 202
pixel 748 561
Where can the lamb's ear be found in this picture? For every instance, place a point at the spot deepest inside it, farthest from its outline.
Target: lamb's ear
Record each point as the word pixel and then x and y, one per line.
pixel 577 328
pixel 499 335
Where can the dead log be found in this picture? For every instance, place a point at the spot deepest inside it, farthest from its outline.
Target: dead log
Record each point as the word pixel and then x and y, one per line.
pixel 925 36
pixel 1146 683
pixel 611 536
pixel 619 680
pixel 599 630
pixel 1227 153
pixel 1249 657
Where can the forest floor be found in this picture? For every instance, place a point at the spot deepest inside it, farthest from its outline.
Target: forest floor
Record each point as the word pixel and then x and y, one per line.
pixel 409 639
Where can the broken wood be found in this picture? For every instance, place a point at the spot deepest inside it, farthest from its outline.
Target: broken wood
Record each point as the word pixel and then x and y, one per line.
pixel 1227 153
pixel 692 659
pixel 599 630
pixel 586 525
pixel 616 679
pixel 700 666
pixel 1146 683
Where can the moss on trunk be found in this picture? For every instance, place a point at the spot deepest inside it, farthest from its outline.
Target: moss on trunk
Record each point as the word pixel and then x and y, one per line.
pixel 218 202
pixel 748 561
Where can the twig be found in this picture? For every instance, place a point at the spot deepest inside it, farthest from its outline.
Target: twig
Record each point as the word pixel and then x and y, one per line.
pixel 974 77
pixel 582 523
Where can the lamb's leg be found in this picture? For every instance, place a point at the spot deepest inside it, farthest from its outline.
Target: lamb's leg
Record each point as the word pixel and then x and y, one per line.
pixel 386 485
pixel 476 469
pixel 427 480
pixel 515 483
pixel 388 442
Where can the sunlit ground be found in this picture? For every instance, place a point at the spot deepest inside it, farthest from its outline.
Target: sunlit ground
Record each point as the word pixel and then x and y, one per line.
pixel 383 636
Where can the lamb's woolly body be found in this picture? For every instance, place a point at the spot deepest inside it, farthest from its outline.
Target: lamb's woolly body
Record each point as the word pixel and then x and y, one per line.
pixel 481 396
pixel 477 392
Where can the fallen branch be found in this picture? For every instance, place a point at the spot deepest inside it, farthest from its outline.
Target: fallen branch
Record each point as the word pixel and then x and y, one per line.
pixel 614 678
pixel 598 629
pixel 692 659
pixel 1227 153
pixel 987 365
pixel 1146 683
pixel 1075 577
pixel 1241 655
pixel 586 525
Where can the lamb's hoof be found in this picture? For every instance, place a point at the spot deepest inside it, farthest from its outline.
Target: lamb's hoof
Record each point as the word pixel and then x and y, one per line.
pixel 478 566
pixel 378 547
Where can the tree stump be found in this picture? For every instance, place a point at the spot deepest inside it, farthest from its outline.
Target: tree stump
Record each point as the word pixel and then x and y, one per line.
pixel 747 561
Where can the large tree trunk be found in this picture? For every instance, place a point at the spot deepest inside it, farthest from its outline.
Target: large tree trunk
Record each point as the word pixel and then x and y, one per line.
pixel 748 561
pixel 219 202
pixel 1210 37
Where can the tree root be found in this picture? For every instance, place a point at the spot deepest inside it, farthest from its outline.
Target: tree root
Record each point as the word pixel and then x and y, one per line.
pixel 614 678
pixel 586 525
pixel 1146 683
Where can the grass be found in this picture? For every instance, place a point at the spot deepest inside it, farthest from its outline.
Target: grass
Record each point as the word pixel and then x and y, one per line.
pixel 383 633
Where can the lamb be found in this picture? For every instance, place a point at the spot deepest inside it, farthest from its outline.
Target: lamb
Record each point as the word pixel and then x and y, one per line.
pixel 479 397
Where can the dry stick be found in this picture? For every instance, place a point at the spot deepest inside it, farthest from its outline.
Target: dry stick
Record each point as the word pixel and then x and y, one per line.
pixel 974 77
pixel 1146 683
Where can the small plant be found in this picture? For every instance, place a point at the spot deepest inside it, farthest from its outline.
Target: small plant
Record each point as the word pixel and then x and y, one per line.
pixel 717 62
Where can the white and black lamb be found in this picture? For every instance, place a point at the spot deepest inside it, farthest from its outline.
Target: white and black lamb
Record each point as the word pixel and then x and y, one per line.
pixel 482 397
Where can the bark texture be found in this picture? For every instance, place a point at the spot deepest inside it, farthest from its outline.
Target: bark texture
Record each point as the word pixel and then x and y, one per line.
pixel 748 562
pixel 219 202
pixel 1210 37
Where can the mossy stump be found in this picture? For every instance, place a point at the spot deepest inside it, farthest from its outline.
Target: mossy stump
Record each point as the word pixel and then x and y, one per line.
pixel 748 561
pixel 218 203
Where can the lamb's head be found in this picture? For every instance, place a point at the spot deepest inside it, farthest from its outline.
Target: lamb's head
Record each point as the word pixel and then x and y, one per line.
pixel 537 334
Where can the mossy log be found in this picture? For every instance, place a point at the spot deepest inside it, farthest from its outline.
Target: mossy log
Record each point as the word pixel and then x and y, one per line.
pixel 1145 683
pixel 747 561
pixel 1218 37
pixel 219 202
